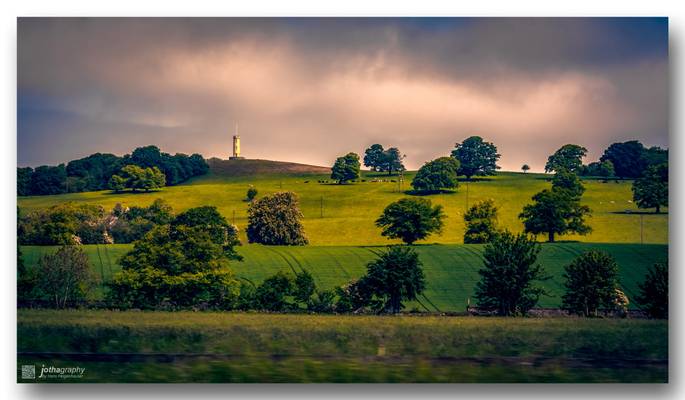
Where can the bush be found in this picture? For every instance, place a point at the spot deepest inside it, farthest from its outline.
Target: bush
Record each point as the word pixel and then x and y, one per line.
pixel 64 224
pixel 508 276
pixel 275 220
pixel 353 297
pixel 591 283
pixel 653 296
pixel 252 193
pixel 272 294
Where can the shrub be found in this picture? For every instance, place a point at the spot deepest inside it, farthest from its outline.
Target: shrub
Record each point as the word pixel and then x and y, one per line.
pixel 252 193
pixel 436 175
pixel 591 283
pixel 272 294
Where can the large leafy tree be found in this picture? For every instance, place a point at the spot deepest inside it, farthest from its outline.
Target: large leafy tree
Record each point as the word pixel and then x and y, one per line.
pixel 346 168
pixel 394 277
pixel 391 161
pixel 411 219
pixel 437 175
pixel 591 281
pixel 64 278
pixel 373 157
pixel 568 158
pixel 555 212
pixel 653 295
pixel 275 220
pixel 481 222
pixel 651 190
pixel 629 158
pixel 569 182
pixel 507 285
pixel 49 180
pixel 174 267
pixel 476 157
pixel 208 219
pixel 24 181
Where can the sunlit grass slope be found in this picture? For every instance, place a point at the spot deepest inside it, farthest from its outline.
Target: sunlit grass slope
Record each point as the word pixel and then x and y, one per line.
pixel 345 214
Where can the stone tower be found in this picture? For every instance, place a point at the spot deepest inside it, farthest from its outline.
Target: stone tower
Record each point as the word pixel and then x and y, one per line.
pixel 236 146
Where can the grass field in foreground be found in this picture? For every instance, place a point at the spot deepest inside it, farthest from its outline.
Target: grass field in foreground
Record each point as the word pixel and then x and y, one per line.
pixel 349 211
pixel 451 270
pixel 234 347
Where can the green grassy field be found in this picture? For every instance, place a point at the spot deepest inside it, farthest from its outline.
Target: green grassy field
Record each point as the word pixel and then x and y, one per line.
pixel 451 270
pixel 349 211
pixel 235 347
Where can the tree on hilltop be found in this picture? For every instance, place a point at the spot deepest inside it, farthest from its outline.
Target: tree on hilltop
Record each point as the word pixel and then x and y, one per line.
pixel 476 157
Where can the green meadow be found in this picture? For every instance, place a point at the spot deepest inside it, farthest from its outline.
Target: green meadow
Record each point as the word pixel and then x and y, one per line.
pixel 451 270
pixel 344 215
pixel 237 347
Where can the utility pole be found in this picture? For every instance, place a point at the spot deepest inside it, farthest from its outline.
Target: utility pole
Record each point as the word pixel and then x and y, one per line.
pixel 322 206
pixel 233 217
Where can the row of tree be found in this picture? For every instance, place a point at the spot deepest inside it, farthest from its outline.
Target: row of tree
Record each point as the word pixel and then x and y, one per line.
pixel 96 171
pixel 184 265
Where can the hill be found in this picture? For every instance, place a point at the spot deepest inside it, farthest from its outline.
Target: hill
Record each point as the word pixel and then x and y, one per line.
pixel 451 270
pixel 344 215
pixel 248 167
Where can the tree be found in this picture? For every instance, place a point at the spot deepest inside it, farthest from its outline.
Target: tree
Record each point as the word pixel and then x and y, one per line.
pixel 275 220
pixel 208 219
pixel 304 286
pixel 436 175
pixel 629 158
pixel 175 267
pixel 507 284
pixel 117 183
pixel 481 222
pixel 395 276
pixel 591 283
pixel 476 157
pixel 346 168
pixel 24 181
pixel 391 160
pixel 373 157
pixel 411 220
pixel 651 190
pixel 653 296
pixel 555 212
pixel 569 182
pixel 568 158
pixel 604 169
pixel 271 294
pixel 251 193
pixel 525 168
pixel 46 180
pixel 65 277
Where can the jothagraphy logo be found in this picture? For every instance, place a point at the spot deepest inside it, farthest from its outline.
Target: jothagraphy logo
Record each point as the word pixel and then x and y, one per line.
pixel 51 372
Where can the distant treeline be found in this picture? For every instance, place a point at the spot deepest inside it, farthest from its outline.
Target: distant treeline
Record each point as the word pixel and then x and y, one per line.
pixel 93 172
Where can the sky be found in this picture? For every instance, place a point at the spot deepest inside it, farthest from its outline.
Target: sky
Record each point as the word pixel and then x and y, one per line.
pixel 311 89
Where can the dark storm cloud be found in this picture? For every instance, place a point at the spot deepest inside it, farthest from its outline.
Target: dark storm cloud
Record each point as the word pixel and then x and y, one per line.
pixel 309 89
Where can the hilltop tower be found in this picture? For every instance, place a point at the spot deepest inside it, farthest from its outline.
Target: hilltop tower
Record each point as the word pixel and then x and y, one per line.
pixel 236 146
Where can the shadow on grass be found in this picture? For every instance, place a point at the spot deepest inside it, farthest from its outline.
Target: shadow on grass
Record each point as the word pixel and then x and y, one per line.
pixel 428 192
pixel 130 192
pixel 480 179
pixel 631 212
